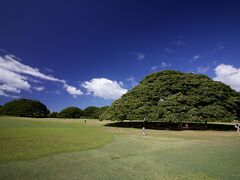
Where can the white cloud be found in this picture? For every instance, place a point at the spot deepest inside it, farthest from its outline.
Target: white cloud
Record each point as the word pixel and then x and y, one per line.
pixel 140 56
pixel 6 87
pixel 229 75
pixel 165 65
pixel 10 63
pixel 104 88
pixel 12 82
pixel 121 83
pixel 16 76
pixel 2 93
pixel 72 90
pixel 203 70
pixel 40 88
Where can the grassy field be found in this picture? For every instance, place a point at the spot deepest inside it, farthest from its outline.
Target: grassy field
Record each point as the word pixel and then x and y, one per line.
pixel 33 138
pixel 71 149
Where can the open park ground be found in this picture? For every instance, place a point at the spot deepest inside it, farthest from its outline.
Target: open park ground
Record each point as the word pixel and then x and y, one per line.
pixel 72 149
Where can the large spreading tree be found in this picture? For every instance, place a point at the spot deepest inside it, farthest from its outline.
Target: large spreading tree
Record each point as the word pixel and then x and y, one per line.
pixel 176 96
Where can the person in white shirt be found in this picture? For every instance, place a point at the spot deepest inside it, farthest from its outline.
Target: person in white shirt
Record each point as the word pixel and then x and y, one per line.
pixel 143 131
pixel 237 126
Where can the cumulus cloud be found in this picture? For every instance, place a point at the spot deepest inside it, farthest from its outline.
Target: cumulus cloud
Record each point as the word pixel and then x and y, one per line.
pixel 73 91
pixel 16 76
pixel 104 88
pixel 12 82
pixel 229 75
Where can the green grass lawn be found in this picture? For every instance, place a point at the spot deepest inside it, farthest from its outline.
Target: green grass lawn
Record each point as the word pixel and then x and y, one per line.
pixel 22 139
pixel 70 149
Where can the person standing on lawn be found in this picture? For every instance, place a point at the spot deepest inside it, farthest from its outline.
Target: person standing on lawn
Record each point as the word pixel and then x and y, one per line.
pixel 237 126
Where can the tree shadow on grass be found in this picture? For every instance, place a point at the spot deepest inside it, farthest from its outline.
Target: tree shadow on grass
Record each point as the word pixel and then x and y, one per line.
pixel 159 125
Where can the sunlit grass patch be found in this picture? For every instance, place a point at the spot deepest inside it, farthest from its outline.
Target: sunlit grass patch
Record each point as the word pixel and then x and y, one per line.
pixel 23 139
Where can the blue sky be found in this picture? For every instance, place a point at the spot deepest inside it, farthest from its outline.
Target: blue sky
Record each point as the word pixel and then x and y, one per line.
pixel 82 53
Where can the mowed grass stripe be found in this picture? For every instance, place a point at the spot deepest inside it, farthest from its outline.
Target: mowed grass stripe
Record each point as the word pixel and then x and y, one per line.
pixel 25 139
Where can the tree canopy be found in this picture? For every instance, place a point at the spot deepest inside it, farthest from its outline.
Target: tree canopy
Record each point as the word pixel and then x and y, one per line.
pixel 70 112
pixel 176 96
pixel 24 108
pixel 93 112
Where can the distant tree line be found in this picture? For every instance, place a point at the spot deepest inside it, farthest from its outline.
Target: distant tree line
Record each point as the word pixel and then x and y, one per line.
pixel 90 112
pixel 33 108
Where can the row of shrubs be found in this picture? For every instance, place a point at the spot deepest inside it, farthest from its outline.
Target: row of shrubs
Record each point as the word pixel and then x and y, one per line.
pixel 33 108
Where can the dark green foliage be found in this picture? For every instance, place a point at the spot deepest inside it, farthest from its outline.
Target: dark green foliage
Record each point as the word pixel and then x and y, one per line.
pixel 53 115
pixel 93 112
pixel 70 112
pixel 175 96
pixel 24 108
